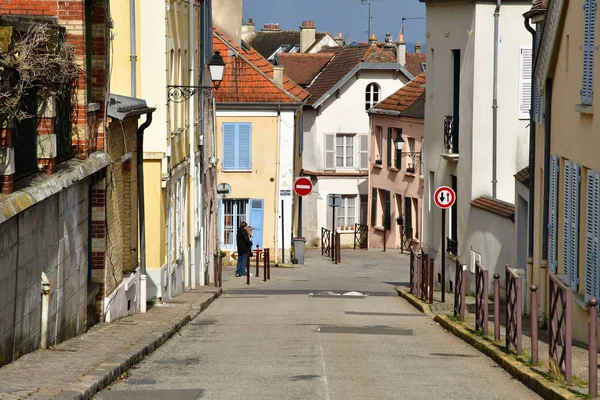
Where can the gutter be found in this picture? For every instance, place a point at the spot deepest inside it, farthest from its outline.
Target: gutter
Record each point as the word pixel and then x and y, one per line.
pixel 531 151
pixel 495 103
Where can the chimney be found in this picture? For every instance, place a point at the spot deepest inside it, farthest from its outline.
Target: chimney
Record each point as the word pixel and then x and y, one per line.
pixel 418 47
pixel 373 39
pixel 265 27
pixel 248 28
pixel 401 50
pixel 307 35
pixel 278 76
pixel 339 39
pixel 277 26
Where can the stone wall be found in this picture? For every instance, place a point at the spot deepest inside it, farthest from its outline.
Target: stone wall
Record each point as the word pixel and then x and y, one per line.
pixel 50 237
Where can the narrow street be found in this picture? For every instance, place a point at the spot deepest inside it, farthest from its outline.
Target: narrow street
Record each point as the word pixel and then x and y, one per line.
pixel 275 340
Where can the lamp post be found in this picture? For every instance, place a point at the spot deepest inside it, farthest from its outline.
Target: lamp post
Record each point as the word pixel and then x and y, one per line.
pixel 179 93
pixel 399 144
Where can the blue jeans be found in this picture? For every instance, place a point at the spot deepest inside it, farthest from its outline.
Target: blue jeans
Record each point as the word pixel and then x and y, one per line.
pixel 242 263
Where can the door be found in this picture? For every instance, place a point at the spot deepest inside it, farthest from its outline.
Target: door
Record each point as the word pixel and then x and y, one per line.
pixel 256 221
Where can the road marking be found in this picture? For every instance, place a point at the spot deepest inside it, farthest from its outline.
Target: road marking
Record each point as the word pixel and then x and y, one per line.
pixel 324 377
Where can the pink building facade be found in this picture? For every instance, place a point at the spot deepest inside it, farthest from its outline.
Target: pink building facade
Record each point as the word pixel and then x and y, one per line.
pixel 395 169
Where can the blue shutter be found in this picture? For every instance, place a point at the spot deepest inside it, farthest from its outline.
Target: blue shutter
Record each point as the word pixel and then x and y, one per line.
pixel 592 221
pixel 574 229
pixel 244 137
pixel 257 221
pixel 229 141
pixel 553 208
pixel 567 175
pixel 589 42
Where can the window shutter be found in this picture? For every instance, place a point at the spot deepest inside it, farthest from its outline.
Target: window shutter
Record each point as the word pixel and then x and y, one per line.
pixel 525 83
pixel 228 147
pixel 244 146
pixel 574 228
pixel 553 208
pixel 389 147
pixel 567 175
pixel 374 207
pixel 589 42
pixel 592 221
pixel 388 213
pixel 364 151
pixel 329 151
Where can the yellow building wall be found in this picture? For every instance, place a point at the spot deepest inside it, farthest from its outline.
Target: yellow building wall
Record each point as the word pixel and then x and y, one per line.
pixel 155 204
pixel 261 181
pixel 120 79
pixel 574 136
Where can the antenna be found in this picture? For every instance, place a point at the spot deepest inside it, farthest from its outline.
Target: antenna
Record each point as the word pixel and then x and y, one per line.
pixel 368 3
pixel 404 19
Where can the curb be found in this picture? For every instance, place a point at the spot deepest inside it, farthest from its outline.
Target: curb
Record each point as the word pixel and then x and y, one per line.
pixel 531 379
pixel 107 372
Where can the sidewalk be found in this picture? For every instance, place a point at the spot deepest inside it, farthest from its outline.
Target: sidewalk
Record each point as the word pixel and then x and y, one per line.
pixel 443 313
pixel 80 367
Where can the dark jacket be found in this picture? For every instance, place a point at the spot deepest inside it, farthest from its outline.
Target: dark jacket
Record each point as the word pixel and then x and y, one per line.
pixel 244 244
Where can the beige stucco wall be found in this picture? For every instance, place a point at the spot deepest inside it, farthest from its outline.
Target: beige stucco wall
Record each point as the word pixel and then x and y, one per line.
pixel 261 181
pixel 573 137
pixel 227 18
pixel 120 83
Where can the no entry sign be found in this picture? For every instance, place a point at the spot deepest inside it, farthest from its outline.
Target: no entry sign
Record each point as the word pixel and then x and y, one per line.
pixel 303 186
pixel 444 197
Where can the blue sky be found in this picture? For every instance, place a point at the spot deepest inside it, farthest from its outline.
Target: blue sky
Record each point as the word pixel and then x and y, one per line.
pixel 346 16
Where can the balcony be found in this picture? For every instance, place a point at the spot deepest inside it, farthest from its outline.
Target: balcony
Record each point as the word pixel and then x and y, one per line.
pixel 450 138
pixel 452 246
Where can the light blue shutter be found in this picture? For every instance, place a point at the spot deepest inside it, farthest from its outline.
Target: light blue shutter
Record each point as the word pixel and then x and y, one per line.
pixel 244 158
pixel 229 139
pixel 257 221
pixel 553 208
pixel 592 220
pixel 574 229
pixel 589 42
pixel 567 174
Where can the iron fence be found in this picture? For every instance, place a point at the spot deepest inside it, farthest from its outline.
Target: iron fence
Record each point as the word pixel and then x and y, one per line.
pixel 481 298
pixel 361 236
pixel 560 326
pixel 451 133
pixel 325 242
pixel 415 267
pixel 514 303
pixel 459 291
pixel 452 246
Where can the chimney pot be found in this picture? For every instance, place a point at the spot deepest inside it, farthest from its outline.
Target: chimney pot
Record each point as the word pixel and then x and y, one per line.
pixel 276 26
pixel 266 26
pixel 304 23
pixel 250 21
pixel 418 47
pixel 311 23
pixel 401 38
pixel 373 39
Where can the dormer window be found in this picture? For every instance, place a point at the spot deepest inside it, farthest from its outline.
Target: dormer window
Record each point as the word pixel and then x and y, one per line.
pixel 371 95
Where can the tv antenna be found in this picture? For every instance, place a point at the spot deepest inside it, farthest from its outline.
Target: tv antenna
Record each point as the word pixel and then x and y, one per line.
pixel 404 19
pixel 368 3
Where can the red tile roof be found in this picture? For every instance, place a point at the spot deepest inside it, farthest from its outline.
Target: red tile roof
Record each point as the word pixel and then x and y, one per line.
pixel 248 77
pixel 495 206
pixel 302 68
pixel 409 100
pixel 413 63
pixel 266 42
pixel 344 60
pixel 523 176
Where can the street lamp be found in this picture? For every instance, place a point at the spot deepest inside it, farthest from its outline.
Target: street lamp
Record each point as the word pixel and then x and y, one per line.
pixel 399 143
pixel 178 93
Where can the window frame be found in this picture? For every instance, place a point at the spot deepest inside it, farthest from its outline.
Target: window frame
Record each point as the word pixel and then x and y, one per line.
pixel 345 155
pixel 342 216
pixel 373 89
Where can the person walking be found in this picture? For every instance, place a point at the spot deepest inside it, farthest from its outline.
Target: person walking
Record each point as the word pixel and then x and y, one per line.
pixel 244 246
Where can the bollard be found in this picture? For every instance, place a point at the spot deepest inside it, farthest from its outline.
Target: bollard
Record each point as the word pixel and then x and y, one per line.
pixel 431 264
pixel 265 252
pixel 257 261
pixel 220 272
pixel 248 272
pixel 497 306
pixel 534 325
pixel 593 348
pixel 268 265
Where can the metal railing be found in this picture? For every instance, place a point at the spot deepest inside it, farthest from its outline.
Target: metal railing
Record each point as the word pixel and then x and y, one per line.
pixel 481 298
pixel 451 134
pixel 452 246
pixel 459 291
pixel 426 275
pixel 415 269
pixel 361 236
pixel 514 303
pixel 335 248
pixel 560 326
pixel 325 242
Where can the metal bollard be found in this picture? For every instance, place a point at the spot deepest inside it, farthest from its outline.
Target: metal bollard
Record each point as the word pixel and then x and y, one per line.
pixel 257 261
pixel 431 264
pixel 593 348
pixel 268 264
pixel 248 271
pixel 534 325
pixel 220 272
pixel 265 252
pixel 497 306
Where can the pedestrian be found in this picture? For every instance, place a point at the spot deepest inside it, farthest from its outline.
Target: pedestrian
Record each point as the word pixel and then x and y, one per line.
pixel 244 246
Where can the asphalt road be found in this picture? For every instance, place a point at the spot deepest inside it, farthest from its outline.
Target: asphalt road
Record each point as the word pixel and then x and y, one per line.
pixel 290 338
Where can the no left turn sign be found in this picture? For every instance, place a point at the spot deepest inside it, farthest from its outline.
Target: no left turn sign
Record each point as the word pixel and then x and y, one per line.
pixel 444 197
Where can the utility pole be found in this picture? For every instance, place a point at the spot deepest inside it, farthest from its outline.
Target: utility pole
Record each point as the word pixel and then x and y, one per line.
pixel 404 19
pixel 368 3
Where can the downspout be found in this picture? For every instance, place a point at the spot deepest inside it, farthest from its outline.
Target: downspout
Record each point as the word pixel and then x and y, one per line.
pixel 200 182
pixel 192 135
pixel 132 45
pixel 45 311
pixel 545 212
pixel 495 102
pixel 531 158
pixel 142 211
pixel 214 182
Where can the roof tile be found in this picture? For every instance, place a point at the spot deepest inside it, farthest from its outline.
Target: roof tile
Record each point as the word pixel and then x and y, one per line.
pixel 495 206
pixel 302 68
pixel 408 100
pixel 266 42
pixel 523 176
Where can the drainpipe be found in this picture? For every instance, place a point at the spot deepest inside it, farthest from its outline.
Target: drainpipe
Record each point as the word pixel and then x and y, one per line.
pixel 495 102
pixel 547 120
pixel 200 182
pixel 192 133
pixel 531 157
pixel 217 223
pixel 132 45
pixel 45 311
pixel 142 211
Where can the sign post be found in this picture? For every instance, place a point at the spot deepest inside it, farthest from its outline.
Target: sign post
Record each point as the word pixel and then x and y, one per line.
pixel 335 200
pixel 444 197
pixel 302 187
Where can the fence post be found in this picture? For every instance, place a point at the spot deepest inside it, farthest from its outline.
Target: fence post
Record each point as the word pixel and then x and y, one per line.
pixel 593 348
pixel 257 261
pixel 248 270
pixel 265 253
pixel 268 264
pixel 220 272
pixel 463 288
pixel 431 264
pixel 332 246
pixel 534 325
pixel 412 269
pixel 497 306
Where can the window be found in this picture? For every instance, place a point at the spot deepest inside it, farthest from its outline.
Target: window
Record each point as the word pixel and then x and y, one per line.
pixel 525 70
pixel 589 43
pixel 398 163
pixel 347 212
pixel 233 213
pixel 423 67
pixel 379 144
pixel 280 49
pixel 237 147
pixel 341 152
pixel 571 223
pixel 408 217
pixel 592 230
pixel 371 95
pixel 344 151
pixel 410 142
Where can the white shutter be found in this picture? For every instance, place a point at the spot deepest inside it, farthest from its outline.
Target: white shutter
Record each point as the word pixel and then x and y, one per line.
pixel 574 229
pixel 592 221
pixel 553 208
pixel 364 152
pixel 525 83
pixel 567 175
pixel 329 151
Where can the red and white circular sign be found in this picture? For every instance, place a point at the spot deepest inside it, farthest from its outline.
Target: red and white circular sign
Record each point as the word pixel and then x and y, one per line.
pixel 444 197
pixel 303 186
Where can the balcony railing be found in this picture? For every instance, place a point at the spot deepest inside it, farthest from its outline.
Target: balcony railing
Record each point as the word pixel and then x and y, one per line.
pixel 410 168
pixel 452 246
pixel 451 134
